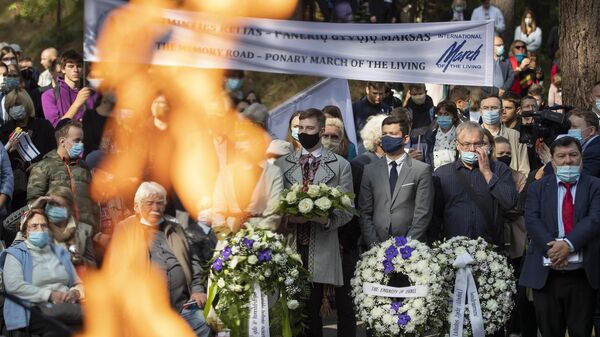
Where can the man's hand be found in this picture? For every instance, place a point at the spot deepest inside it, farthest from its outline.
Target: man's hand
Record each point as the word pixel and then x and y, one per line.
pixel 73 296
pixel 82 96
pixel 415 154
pixel 58 297
pixel 501 92
pixel 558 253
pixel 200 298
pixel 543 152
pixel 484 164
pixel 525 63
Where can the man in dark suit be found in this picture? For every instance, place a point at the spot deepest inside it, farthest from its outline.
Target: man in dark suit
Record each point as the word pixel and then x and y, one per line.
pixel 584 127
pixel 562 264
pixel 401 204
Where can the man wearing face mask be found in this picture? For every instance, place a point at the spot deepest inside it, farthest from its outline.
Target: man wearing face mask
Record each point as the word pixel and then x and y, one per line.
pixel 584 128
pixel 595 95
pixel 64 167
pixel 313 164
pixel 421 108
pixel 472 192
pixel 401 204
pixel 234 82
pixel 562 215
pixel 490 114
pixel 504 76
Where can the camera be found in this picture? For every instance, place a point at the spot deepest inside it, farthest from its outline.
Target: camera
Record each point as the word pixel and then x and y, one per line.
pixel 547 124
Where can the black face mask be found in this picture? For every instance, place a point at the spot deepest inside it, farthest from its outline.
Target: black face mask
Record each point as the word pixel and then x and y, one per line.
pixel 505 159
pixel 308 141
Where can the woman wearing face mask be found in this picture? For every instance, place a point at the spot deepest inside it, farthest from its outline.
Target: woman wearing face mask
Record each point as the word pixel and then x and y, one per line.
pixel 519 61
pixel 332 111
pixel 292 136
pixel 529 32
pixel 459 11
pixel 9 56
pixel 23 126
pixel 41 280
pixel 333 138
pixel 443 136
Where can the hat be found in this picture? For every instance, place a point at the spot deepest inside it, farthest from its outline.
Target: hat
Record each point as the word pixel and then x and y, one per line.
pixel 280 147
pixel 16 47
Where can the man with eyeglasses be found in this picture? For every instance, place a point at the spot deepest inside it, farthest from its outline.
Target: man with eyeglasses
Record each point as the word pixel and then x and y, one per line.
pixel 472 193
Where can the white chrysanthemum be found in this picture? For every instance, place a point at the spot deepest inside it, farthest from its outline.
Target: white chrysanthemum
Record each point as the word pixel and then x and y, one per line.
pixel 492 305
pixel 377 312
pixel 368 302
pixel 313 191
pixel 387 319
pixel 323 203
pixel 291 198
pixel 305 206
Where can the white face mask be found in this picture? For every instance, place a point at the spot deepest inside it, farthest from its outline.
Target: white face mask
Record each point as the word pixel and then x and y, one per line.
pixel 528 21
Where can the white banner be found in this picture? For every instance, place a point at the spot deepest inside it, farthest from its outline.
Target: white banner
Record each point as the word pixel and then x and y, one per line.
pixel 444 52
pixel 373 289
pixel 465 290
pixel 327 92
pixel 258 321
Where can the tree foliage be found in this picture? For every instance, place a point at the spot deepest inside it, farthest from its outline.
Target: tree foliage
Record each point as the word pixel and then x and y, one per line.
pixel 33 10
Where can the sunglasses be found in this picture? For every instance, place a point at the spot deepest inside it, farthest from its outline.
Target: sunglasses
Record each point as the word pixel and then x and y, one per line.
pixel 519 47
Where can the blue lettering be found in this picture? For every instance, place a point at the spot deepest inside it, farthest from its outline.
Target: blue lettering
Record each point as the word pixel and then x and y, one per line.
pixel 455 54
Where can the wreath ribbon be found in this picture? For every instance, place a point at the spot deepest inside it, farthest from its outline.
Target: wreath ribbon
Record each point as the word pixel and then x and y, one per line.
pixel 465 289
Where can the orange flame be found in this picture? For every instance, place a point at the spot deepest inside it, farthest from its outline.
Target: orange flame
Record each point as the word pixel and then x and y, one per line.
pixel 131 299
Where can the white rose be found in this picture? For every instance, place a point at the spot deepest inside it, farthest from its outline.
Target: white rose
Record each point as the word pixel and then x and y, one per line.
pixel 335 192
pixel 492 305
pixel 313 191
pixel 221 283
pixel 291 197
pixel 293 304
pixel 346 201
pixel 324 188
pixel 323 203
pixel 296 188
pixel 252 259
pixel 305 206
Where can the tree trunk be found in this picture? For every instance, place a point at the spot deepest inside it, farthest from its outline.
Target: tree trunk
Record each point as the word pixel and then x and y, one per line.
pixel 508 10
pixel 579 31
pixel 58 13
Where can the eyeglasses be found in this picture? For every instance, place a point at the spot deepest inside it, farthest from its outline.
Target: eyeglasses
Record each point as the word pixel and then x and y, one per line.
pixel 471 145
pixel 519 47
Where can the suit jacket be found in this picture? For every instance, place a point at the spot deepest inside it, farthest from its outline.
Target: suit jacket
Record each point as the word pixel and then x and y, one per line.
pixel 324 259
pixel 542 225
pixel 591 158
pixel 406 212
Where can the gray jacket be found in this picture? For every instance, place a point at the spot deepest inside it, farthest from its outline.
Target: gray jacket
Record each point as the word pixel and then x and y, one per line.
pixel 407 212
pixel 324 259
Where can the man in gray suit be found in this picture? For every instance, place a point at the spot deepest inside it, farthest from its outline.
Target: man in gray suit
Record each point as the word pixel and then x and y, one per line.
pixel 402 204
pixel 316 239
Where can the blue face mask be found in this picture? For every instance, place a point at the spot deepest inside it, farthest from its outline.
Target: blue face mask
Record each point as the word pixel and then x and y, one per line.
pixel 490 117
pixel 12 82
pixel 391 144
pixel 295 133
pixel 500 51
pixel 233 84
pixel 468 157
pixel 568 174
pixel 598 103
pixel 519 57
pixel 445 122
pixel 76 150
pixel 576 133
pixel 57 214
pixel 38 239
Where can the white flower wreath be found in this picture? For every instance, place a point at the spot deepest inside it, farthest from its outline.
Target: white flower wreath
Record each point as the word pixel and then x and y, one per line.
pixel 493 276
pixel 386 316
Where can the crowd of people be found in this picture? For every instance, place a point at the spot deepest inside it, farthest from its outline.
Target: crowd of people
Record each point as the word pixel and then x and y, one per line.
pixel 467 164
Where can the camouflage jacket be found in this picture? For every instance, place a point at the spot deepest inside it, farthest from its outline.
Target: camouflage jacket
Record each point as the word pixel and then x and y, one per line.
pixel 53 171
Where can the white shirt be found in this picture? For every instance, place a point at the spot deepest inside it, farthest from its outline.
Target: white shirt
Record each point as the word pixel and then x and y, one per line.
pixel 45 78
pixel 562 191
pixel 399 162
pixel 316 153
pixel 492 13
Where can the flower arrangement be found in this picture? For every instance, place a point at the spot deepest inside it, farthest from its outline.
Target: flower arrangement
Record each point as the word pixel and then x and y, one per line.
pixel 258 256
pixel 493 277
pixel 386 316
pixel 314 201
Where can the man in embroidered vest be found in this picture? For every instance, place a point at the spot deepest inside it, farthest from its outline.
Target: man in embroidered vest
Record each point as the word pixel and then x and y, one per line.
pixel 316 239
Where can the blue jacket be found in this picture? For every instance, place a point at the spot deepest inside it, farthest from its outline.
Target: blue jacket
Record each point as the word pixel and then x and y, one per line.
pixel 6 174
pixel 16 315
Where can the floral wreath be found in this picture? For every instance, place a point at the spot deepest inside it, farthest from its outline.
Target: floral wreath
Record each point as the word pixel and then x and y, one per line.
pixel 258 256
pixel 493 276
pixel 386 316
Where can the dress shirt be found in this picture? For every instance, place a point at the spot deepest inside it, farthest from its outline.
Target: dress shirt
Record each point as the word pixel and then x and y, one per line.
pixel 316 153
pixel 399 161
pixel 562 190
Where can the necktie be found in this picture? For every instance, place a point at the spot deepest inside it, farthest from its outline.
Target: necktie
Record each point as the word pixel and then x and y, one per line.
pixel 568 210
pixel 393 177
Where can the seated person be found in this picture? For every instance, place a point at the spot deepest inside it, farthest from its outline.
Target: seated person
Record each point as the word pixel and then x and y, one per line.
pixel 40 279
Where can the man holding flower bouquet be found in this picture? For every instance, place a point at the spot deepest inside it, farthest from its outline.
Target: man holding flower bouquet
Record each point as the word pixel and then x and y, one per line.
pixel 316 237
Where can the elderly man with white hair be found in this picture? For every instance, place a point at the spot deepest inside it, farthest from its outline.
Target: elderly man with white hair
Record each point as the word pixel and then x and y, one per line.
pixel 169 250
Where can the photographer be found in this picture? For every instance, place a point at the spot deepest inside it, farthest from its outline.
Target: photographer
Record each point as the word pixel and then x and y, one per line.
pixel 539 153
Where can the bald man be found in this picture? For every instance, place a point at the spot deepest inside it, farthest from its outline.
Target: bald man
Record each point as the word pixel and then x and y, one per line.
pixel 48 56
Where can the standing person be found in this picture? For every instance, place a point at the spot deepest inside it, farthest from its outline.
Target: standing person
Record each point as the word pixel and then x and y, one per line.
pixel 169 251
pixel 511 111
pixel 490 113
pixel 504 76
pixel 69 100
pixel 402 204
pixel 382 11
pixel 555 91
pixel 529 32
pixel 520 62
pixel 562 215
pixel 584 128
pixel 46 58
pixel 460 96
pixel 334 138
pixel 332 111
pixel 371 104
pixel 421 109
pixel 459 11
pixel 472 193
pixel 443 136
pixel 595 98
pixel 371 138
pixel 488 12
pixel 316 239
pixel 293 127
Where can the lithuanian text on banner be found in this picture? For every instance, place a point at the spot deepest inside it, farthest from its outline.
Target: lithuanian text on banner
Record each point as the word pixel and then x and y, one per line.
pixel 445 52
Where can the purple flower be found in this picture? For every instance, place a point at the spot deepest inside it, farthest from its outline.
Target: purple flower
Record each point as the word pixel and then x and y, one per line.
pixel 248 243
pixel 217 264
pixel 406 252
pixel 396 305
pixel 401 241
pixel 264 255
pixel 226 253
pixel 391 253
pixel 403 319
pixel 388 266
